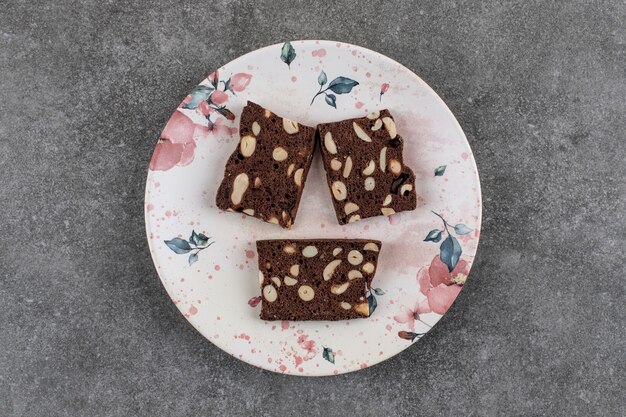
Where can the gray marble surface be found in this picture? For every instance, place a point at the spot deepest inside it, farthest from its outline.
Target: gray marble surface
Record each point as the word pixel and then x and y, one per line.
pixel 86 327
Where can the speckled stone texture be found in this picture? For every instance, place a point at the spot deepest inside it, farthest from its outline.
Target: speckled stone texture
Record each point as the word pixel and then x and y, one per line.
pixel 86 327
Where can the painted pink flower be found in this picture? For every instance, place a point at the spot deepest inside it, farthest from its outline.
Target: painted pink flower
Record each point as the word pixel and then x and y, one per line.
pixel 239 81
pixel 384 88
pixel 205 108
pixel 441 286
pixel 179 129
pixel 219 97
pixel 439 273
pixel 176 145
pixel 409 316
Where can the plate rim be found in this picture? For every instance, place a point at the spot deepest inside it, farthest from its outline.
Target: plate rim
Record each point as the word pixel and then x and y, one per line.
pixel 457 127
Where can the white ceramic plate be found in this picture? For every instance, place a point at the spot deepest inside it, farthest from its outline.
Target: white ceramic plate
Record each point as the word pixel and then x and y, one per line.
pixel 212 275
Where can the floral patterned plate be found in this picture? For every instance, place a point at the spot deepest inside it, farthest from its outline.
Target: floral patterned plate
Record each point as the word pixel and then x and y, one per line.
pixel 206 258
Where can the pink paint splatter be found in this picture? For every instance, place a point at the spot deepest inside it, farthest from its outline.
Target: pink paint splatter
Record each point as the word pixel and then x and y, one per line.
pixel 320 52
pixel 368 74
pixel 269 360
pixel 306 343
pixel 464 155
pixel 354 52
pixel 282 368
pixel 249 254
pixel 217 267
pixel 254 301
pixel 150 207
pixel 388 327
pixel 363 365
pixel 193 310
pixel 298 361
pixel 168 213
pixel 355 68
pixel 358 104
pixel 294 78
pixel 284 325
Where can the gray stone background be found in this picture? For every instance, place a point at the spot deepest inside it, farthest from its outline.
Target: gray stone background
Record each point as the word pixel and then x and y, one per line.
pixel 86 327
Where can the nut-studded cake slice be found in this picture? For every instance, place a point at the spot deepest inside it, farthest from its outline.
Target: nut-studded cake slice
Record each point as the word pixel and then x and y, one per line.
pixel 323 279
pixel 265 175
pixel 364 167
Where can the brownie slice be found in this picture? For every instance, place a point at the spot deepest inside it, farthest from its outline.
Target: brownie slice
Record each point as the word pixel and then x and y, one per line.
pixel 318 279
pixel 265 175
pixel 364 167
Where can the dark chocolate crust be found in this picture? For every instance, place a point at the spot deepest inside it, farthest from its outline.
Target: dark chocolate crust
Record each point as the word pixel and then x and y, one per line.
pixel 316 279
pixel 365 169
pixel 265 175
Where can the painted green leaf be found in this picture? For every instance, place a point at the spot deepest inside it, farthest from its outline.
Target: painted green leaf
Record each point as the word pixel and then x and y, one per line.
pixel 321 79
pixel 178 245
pixel 440 170
pixel 287 54
pixel 462 229
pixel 329 355
pixel 450 252
pixel 342 85
pixel 193 258
pixel 331 100
pixel 433 236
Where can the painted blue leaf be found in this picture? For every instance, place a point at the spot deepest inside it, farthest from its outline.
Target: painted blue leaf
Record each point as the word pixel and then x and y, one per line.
pixel 379 291
pixel 228 87
pixel 287 54
pixel 198 239
pixel 439 171
pixel 342 85
pixel 193 258
pixel 198 95
pixel 372 303
pixel 462 229
pixel 433 236
pixel 329 355
pixel 330 99
pixel 450 252
pixel 192 238
pixel 202 239
pixel 321 79
pixel 178 245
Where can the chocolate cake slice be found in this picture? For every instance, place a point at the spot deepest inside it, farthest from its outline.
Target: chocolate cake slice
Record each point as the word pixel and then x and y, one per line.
pixel 364 167
pixel 318 279
pixel 265 175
